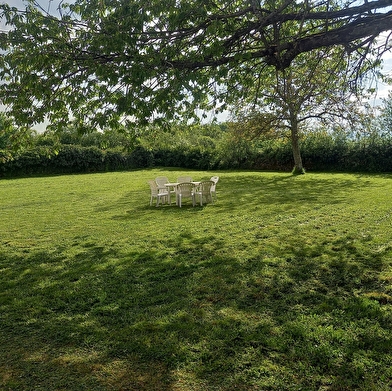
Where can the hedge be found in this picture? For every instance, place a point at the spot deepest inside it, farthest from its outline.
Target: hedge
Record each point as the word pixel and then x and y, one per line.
pixel 322 155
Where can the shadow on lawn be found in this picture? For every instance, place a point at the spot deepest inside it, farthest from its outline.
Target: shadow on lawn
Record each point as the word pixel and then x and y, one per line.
pixel 254 191
pixel 192 319
pixel 259 190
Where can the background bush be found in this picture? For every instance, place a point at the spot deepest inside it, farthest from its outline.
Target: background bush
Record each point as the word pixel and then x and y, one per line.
pixel 207 147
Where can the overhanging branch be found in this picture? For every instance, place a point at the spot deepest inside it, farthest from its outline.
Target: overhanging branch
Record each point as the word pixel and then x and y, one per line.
pixel 283 54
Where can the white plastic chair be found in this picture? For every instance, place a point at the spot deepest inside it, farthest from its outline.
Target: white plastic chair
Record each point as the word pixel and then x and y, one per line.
pixel 160 194
pixel 204 192
pixel 185 190
pixel 182 179
pixel 214 179
pixel 161 181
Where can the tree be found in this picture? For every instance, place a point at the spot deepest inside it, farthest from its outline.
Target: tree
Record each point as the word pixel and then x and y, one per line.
pixel 385 117
pixel 12 138
pixel 316 87
pixel 102 61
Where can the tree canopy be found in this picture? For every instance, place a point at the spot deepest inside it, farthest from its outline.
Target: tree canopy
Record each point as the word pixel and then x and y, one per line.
pixel 102 61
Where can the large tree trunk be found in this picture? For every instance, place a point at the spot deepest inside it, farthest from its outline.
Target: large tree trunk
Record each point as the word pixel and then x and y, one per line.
pixel 298 167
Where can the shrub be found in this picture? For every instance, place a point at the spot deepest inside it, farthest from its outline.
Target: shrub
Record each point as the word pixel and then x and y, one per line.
pixel 321 151
pixel 35 161
pixel 140 158
pixel 78 159
pixel 274 155
pixel 115 160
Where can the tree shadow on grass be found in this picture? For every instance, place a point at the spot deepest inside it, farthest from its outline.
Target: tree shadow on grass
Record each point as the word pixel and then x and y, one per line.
pixel 254 191
pixel 282 190
pixel 191 318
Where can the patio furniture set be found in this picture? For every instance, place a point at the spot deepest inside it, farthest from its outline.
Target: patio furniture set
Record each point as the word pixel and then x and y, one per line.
pixel 197 191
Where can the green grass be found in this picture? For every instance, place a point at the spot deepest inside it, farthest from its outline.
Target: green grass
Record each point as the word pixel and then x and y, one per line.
pixel 284 284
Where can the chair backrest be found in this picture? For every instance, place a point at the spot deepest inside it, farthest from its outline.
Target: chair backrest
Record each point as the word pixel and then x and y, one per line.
pixel 214 179
pixel 161 180
pixel 185 188
pixel 182 179
pixel 205 187
pixel 153 187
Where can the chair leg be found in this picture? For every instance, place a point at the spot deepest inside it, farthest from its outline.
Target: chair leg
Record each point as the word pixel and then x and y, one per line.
pixel 161 200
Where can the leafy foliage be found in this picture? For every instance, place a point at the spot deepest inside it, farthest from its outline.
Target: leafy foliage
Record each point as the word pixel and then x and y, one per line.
pixel 315 89
pixel 385 118
pixel 202 147
pixel 12 138
pixel 102 62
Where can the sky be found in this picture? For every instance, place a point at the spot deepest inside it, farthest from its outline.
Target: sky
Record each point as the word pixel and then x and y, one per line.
pixel 382 88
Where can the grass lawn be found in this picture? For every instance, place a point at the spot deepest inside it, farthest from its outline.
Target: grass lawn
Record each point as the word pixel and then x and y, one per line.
pixel 285 283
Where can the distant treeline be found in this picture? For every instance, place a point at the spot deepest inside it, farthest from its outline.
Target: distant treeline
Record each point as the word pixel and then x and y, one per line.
pixel 207 147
